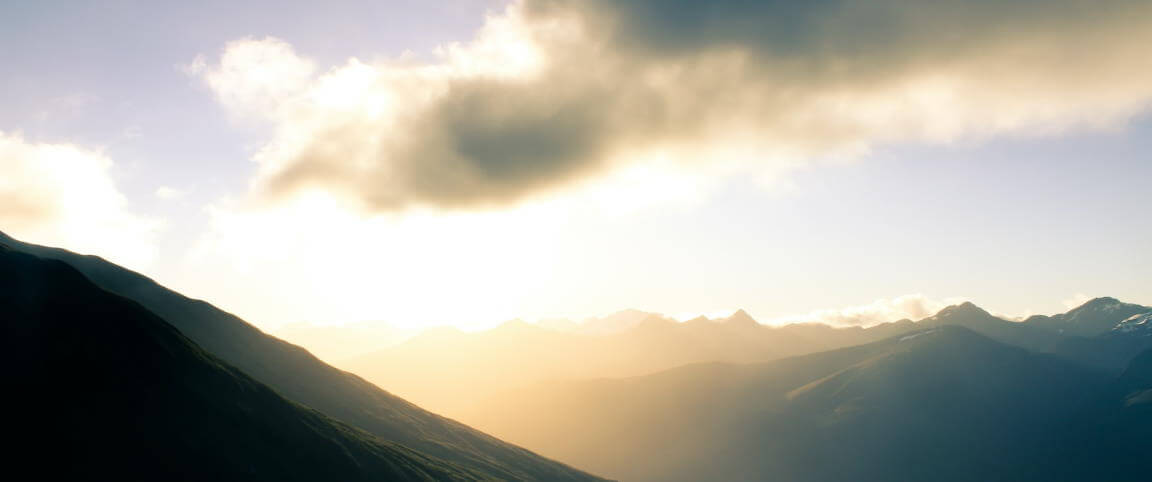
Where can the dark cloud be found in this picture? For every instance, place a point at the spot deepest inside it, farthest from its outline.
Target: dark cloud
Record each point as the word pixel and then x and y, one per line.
pixel 602 79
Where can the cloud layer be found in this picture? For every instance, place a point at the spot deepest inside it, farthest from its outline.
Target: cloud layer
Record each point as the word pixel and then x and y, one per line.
pixel 913 307
pixel 553 92
pixel 63 195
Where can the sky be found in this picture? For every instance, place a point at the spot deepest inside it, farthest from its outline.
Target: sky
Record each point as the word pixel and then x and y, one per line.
pixel 468 162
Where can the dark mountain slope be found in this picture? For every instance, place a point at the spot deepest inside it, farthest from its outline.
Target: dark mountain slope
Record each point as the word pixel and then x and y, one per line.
pixel 1112 435
pixel 1095 332
pixel 301 377
pixel 105 389
pixel 948 405
pixel 938 404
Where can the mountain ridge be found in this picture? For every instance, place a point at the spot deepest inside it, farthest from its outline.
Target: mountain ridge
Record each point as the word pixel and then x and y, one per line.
pixel 119 393
pixel 922 395
pixel 301 377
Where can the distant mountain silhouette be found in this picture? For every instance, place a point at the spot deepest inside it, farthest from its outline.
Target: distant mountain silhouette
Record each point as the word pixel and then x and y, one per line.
pixel 1104 332
pixel 970 316
pixel 300 377
pixel 115 376
pixel 449 370
pixel 1103 347
pixel 614 323
pixel 1093 318
pixel 107 390
pixel 943 403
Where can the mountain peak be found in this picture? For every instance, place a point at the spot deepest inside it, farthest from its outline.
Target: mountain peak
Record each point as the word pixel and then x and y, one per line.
pixel 741 317
pixel 1106 304
pixel 619 321
pixel 1097 316
pixel 698 319
pixel 964 309
pixel 1101 303
pixel 515 325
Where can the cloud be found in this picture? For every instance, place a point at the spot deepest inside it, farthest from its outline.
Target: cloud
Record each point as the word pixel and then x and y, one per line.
pixel 553 93
pixel 1076 300
pixel 168 193
pixel 913 307
pixel 64 195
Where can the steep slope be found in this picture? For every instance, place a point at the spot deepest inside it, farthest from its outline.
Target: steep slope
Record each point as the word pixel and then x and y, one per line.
pixel 301 377
pixel 107 390
pixel 939 404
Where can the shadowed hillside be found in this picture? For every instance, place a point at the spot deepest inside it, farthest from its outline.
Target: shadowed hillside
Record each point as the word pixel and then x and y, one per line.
pixel 108 390
pixel 943 403
pixel 301 377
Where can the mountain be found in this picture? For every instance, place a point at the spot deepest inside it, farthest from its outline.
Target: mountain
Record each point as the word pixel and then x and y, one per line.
pixel 970 316
pixel 943 403
pixel 614 323
pixel 300 377
pixel 1096 317
pixel 1104 332
pixel 1107 349
pixel 448 371
pixel 740 317
pixel 107 390
pixel 1109 440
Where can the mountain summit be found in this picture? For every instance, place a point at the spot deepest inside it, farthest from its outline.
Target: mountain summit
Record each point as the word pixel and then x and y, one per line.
pixel 965 310
pixel 1095 317
pixel 740 318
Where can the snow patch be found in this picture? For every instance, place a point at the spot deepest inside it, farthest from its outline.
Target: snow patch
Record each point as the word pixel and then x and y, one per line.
pixel 915 335
pixel 1138 322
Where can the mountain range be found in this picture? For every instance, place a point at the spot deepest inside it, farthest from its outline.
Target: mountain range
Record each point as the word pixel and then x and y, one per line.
pixel 113 376
pixel 938 403
pixel 438 367
pixel 450 370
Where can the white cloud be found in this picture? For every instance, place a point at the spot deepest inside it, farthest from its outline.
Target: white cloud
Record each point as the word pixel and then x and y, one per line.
pixel 590 108
pixel 555 92
pixel 168 193
pixel 913 307
pixel 64 195
pixel 1076 300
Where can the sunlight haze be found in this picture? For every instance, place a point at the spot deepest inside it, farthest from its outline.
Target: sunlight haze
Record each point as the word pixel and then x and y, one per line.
pixel 294 177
